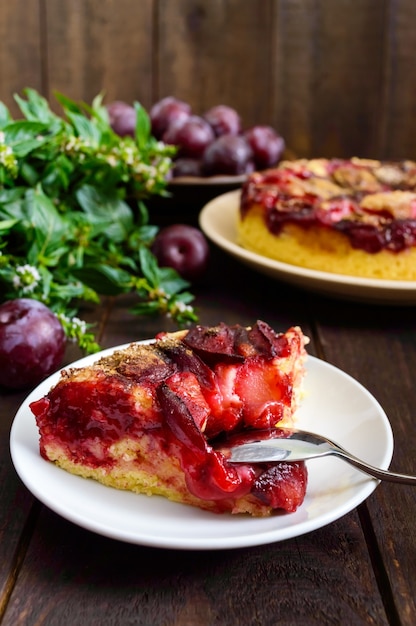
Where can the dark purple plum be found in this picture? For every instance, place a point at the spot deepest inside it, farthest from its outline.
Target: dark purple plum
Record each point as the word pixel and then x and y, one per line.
pixel 229 155
pixel 122 118
pixel 192 136
pixel 171 134
pixel 224 120
pixel 115 108
pixel 267 145
pixel 184 248
pixel 32 343
pixel 165 112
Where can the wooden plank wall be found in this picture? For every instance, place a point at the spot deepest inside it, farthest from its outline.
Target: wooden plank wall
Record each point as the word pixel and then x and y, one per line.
pixel 335 77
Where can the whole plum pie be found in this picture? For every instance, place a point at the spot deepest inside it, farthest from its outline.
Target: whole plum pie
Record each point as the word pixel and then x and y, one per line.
pixel 159 418
pixel 346 216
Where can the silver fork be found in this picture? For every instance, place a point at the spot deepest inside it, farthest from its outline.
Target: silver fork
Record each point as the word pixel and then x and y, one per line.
pixel 300 445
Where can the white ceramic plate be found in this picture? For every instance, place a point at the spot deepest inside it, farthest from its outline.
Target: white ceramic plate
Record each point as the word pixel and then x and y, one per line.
pixel 335 405
pixel 218 220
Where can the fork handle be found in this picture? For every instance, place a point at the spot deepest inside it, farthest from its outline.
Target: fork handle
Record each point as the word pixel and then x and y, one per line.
pixel 376 472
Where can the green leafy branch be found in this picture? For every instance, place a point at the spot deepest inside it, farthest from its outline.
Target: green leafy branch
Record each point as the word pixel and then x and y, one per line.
pixel 73 222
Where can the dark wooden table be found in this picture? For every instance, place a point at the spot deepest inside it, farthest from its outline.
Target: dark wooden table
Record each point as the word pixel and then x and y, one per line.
pixel 361 569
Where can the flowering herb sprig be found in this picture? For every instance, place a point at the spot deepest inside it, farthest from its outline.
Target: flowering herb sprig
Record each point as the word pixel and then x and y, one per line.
pixel 73 221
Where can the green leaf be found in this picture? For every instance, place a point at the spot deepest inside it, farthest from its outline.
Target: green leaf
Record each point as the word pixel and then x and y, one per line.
pixel 142 235
pixel 112 214
pixel 71 289
pixel 59 297
pixel 29 173
pixel 147 233
pixel 146 308
pixel 149 266
pixel 82 108
pixel 104 279
pixel 11 195
pixel 142 213
pixel 85 128
pixel 97 103
pixel 50 229
pixel 67 103
pixel 7 225
pixel 100 113
pixel 15 209
pixel 170 281
pixel 5 117
pixel 36 107
pixel 57 175
pixel 25 137
pixel 143 126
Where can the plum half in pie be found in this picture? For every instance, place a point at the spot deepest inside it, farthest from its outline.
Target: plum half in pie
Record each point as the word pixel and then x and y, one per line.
pixel 158 418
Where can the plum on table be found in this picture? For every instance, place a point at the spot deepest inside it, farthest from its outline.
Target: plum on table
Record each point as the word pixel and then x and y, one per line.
pixel 224 120
pixel 32 343
pixel 214 143
pixel 167 111
pixel 184 248
pixel 267 145
pixel 122 117
pixel 192 136
pixel 228 154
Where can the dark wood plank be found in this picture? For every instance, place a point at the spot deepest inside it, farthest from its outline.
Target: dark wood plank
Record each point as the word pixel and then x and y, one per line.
pixel 71 577
pixel 384 339
pixel 100 46
pixel 399 102
pixel 216 53
pixel 16 502
pixel 21 59
pixel 327 73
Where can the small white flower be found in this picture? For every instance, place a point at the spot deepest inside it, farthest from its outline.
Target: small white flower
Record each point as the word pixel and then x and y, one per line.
pixel 74 327
pixel 7 157
pixel 76 144
pixel 128 156
pixel 70 144
pixel 26 278
pixel 159 293
pixel 182 307
pixel 79 325
pixel 111 160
